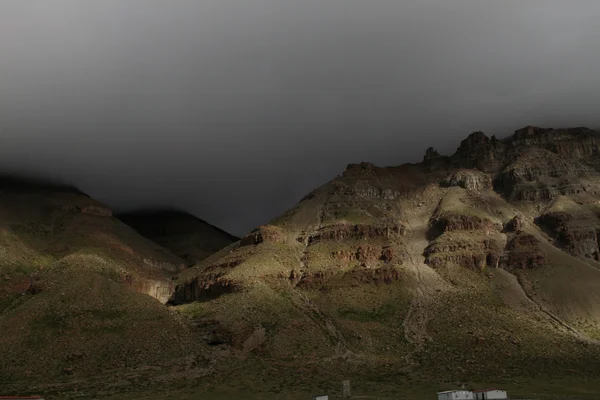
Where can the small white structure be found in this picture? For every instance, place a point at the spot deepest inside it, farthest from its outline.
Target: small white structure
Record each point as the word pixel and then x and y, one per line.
pixel 456 395
pixel 321 397
pixel 490 394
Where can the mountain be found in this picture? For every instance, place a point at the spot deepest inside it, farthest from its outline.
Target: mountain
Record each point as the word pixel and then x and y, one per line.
pixel 81 293
pixel 481 264
pixel 185 235
pixel 475 268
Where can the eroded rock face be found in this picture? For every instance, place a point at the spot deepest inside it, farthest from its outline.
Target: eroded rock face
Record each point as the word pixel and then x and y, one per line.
pixel 515 224
pixel 556 222
pixel 529 135
pixel 313 280
pixel 534 164
pixel 572 142
pixel 468 179
pixel 356 276
pixel 207 287
pixel 523 251
pixel 364 168
pixel 460 222
pixel 573 233
pixel 480 152
pixel 431 154
pixel 433 161
pixel 159 289
pixel 387 255
pixel 266 233
pixel 540 175
pixel 365 190
pixel 340 232
pixel 581 242
pixel 368 254
pixel 472 253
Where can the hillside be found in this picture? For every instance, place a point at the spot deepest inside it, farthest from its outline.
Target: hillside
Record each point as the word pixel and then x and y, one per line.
pixel 81 293
pixel 185 235
pixel 480 264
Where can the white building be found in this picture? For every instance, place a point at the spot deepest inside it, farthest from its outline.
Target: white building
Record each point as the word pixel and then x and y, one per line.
pixel 321 397
pixel 490 394
pixel 456 395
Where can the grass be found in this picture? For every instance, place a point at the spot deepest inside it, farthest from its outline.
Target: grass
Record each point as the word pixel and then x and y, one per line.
pixel 380 314
pixel 352 216
pixel 458 201
pixel 389 387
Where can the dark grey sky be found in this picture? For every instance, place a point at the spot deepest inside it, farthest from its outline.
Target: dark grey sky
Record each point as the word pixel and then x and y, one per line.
pixel 234 109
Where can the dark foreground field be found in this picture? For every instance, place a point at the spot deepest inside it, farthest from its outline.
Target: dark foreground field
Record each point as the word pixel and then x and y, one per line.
pixel 567 388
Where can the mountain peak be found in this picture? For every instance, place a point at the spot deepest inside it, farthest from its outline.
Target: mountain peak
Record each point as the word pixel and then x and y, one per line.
pixel 529 130
pixel 431 154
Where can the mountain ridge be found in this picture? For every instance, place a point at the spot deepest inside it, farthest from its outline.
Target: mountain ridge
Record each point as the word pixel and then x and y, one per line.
pixel 481 264
pixel 433 233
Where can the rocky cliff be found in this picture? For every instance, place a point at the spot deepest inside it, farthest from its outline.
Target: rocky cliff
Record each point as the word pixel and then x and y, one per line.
pixel 408 265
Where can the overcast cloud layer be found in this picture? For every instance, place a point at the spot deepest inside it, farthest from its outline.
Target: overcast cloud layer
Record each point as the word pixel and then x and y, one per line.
pixel 235 109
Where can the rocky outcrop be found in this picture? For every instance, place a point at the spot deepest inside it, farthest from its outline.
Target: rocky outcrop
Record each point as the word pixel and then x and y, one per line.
pixel 469 179
pixel 365 190
pixel 433 161
pixel 460 222
pixel 534 164
pixel 369 254
pixel 472 253
pixel 581 242
pixel 574 233
pixel 528 135
pixel 204 288
pixel 312 280
pixel 540 175
pixel 159 289
pixel 515 224
pixel 339 232
pixel 388 255
pixel 431 154
pixel 480 152
pixel 356 276
pixel 523 251
pixel 572 142
pixel 361 169
pixel 266 233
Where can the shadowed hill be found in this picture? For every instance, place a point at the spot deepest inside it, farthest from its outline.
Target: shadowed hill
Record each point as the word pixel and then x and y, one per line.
pixel 80 291
pixel 184 234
